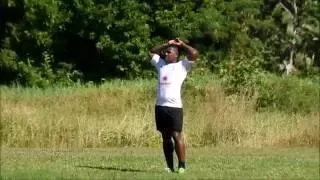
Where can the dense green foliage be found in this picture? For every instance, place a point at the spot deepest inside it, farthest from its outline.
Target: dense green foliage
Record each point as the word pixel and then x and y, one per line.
pixel 289 94
pixel 59 41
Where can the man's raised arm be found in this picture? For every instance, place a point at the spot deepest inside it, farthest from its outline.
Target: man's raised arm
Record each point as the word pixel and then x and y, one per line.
pixel 192 52
pixel 157 49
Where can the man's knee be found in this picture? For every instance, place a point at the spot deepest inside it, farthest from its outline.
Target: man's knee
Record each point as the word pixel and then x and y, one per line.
pixel 177 136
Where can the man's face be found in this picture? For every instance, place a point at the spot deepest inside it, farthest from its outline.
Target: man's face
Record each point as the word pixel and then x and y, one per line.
pixel 172 54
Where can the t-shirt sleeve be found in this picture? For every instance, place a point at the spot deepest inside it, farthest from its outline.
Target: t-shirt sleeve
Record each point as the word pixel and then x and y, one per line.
pixel 155 59
pixel 187 64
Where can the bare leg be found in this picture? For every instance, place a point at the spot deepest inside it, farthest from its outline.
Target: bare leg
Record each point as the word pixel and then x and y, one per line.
pixel 168 148
pixel 180 148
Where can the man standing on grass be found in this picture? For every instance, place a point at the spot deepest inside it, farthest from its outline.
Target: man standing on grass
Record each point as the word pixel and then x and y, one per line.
pixel 168 110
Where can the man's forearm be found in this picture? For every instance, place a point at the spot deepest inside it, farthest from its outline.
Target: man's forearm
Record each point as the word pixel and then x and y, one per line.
pixel 158 49
pixel 192 52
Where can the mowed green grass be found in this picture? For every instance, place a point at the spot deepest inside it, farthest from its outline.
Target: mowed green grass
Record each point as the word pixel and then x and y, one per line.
pixel 148 163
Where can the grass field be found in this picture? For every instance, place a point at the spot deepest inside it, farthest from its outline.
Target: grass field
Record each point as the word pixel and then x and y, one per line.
pixel 148 163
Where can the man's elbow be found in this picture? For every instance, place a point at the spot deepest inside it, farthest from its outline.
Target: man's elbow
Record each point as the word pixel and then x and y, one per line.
pixel 194 55
pixel 151 53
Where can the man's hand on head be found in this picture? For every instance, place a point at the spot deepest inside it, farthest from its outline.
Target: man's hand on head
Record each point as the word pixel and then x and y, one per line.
pixel 192 53
pixel 176 42
pixel 172 42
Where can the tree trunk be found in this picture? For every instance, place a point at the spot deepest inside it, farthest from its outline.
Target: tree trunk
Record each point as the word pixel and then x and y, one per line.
pixel 289 67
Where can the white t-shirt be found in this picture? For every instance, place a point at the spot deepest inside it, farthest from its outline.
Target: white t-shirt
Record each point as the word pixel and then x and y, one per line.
pixel 170 79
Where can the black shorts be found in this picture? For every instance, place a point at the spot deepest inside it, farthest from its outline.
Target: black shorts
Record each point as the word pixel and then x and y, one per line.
pixel 168 118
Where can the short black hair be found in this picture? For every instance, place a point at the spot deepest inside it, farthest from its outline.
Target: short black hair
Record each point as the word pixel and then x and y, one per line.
pixel 172 46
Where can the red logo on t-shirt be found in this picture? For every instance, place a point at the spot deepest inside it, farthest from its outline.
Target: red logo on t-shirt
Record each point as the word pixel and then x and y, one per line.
pixel 165 78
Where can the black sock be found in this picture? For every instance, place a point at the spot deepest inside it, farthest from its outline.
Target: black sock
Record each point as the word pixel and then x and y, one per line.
pixel 182 164
pixel 168 152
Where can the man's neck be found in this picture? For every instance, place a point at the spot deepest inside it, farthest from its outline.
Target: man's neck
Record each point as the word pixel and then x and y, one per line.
pixel 169 62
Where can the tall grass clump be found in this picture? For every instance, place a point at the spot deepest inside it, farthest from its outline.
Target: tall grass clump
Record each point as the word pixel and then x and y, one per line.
pixel 121 113
pixel 118 113
pixel 233 120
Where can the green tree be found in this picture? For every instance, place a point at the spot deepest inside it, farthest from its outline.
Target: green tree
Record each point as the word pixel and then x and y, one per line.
pixel 105 39
pixel 294 33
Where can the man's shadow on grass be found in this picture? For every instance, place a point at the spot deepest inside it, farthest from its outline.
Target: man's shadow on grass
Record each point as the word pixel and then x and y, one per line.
pixel 115 169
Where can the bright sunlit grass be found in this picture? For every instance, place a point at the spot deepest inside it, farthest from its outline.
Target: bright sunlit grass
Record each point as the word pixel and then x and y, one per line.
pixel 148 163
pixel 121 113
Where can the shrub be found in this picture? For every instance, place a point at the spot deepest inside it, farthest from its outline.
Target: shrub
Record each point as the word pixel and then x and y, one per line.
pixel 288 93
pixel 241 75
